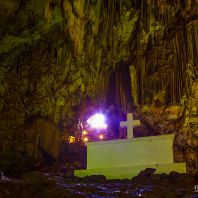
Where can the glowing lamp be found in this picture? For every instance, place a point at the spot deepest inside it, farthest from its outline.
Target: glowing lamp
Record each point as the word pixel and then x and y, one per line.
pixel 97 121
pixel 85 139
pixel 101 137
pixel 71 139
pixel 84 132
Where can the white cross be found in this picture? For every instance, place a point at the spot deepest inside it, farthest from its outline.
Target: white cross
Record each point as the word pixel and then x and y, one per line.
pixel 130 123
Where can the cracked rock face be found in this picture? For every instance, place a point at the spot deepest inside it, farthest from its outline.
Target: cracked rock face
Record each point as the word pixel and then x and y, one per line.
pixel 54 54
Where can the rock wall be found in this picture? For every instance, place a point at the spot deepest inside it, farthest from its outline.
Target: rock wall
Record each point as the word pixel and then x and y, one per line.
pixel 42 141
pixel 55 53
pixel 166 67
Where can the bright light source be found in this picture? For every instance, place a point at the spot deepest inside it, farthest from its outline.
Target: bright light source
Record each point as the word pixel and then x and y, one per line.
pixel 85 139
pixel 84 132
pixel 71 139
pixel 97 121
pixel 101 137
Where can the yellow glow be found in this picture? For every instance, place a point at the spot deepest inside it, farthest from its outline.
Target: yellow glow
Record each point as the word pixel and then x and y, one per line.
pixel 71 139
pixel 85 139
pixel 84 132
pixel 101 137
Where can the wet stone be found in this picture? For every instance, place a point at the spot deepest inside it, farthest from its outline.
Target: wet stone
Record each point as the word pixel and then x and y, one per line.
pixel 148 172
pixel 95 178
pixel 54 184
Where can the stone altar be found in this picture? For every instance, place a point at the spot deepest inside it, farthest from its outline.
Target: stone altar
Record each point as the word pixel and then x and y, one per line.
pixel 119 159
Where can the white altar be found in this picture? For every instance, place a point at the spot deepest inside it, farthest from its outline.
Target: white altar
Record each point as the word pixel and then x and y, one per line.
pixel 126 158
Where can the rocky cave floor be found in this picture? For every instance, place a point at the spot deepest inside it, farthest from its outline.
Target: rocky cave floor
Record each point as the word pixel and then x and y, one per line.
pixel 59 182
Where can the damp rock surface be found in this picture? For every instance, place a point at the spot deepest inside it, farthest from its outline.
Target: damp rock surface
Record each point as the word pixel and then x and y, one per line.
pixel 54 54
pixel 55 184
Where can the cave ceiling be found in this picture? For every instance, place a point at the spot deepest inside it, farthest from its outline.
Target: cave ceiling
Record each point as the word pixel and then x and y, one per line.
pixel 56 53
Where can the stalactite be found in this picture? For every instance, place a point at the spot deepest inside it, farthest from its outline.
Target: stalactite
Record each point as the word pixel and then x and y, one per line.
pixel 173 88
pixel 171 64
pixel 195 46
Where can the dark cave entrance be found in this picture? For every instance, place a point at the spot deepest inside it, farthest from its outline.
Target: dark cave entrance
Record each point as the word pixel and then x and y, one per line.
pixel 119 89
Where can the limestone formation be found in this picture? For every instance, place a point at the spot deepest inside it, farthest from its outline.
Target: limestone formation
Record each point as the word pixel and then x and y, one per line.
pixel 54 54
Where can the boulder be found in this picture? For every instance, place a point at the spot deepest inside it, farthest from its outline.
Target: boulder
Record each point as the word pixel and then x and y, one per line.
pixel 42 140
